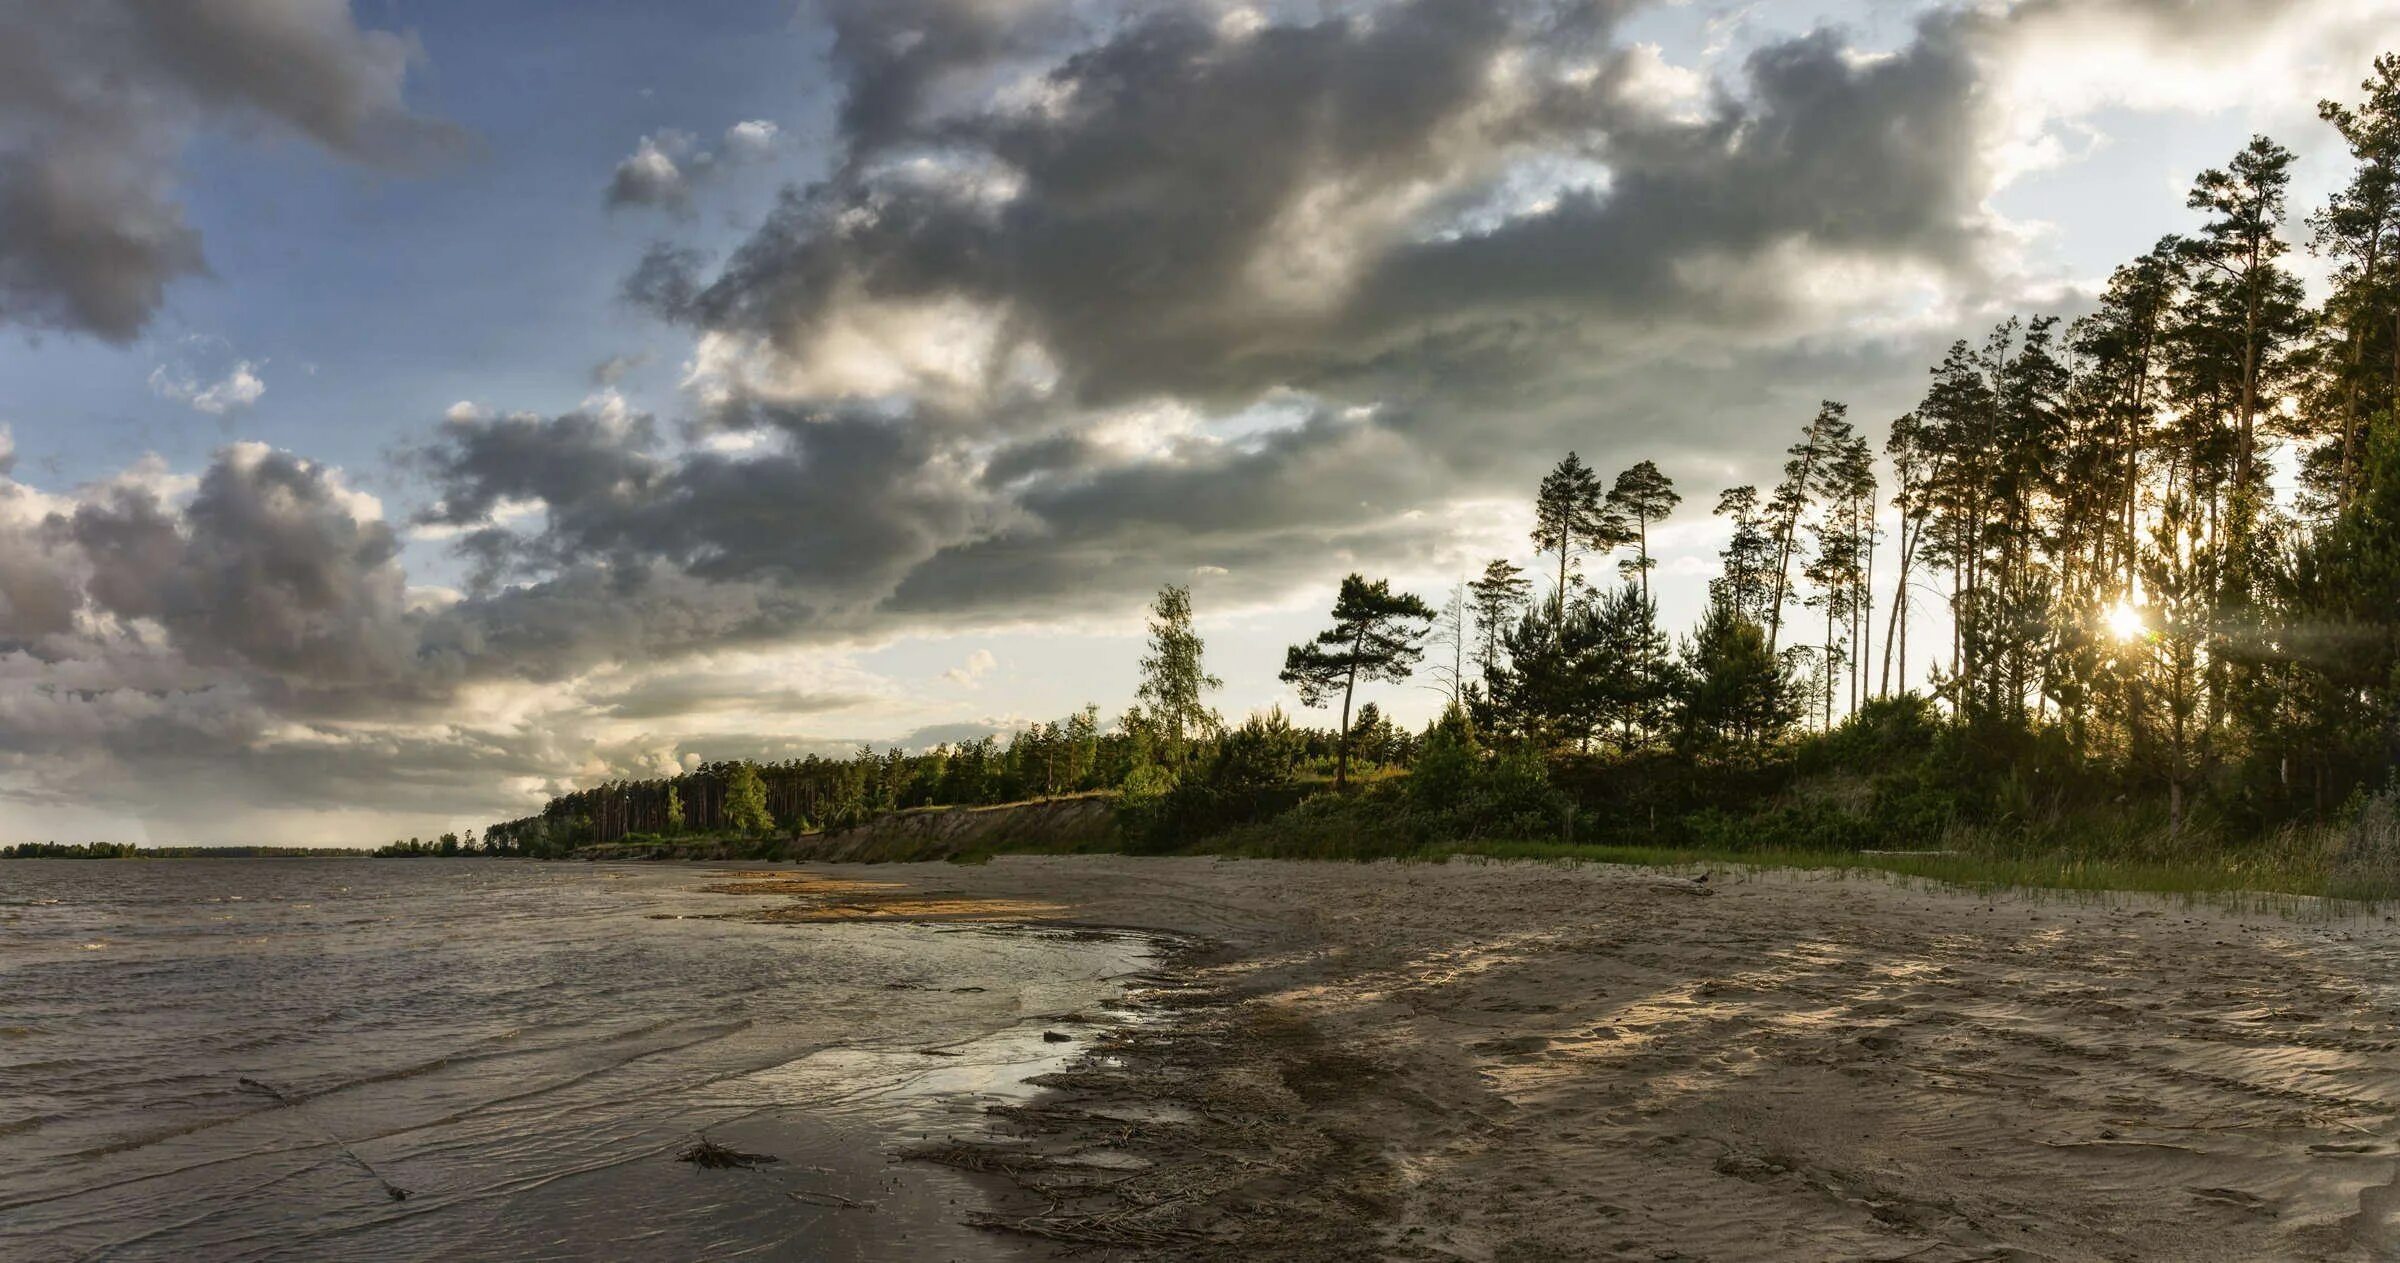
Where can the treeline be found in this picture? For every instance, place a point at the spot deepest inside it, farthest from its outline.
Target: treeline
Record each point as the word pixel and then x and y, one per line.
pixel 1078 754
pixel 131 851
pixel 2166 537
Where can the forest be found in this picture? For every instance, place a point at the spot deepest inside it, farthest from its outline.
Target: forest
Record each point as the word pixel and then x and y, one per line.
pixel 133 851
pixel 2163 537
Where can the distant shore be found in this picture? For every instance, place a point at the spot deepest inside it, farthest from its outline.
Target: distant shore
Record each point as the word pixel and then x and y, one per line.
pixel 1523 1060
pixel 133 851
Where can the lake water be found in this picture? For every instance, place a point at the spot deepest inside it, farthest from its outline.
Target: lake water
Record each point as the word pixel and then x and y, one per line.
pixel 238 1059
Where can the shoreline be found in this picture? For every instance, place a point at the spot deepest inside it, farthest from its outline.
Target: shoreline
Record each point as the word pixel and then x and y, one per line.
pixel 1522 1060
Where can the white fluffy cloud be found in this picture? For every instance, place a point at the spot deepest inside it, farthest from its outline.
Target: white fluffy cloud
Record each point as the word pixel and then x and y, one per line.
pixel 978 665
pixel 667 167
pixel 240 387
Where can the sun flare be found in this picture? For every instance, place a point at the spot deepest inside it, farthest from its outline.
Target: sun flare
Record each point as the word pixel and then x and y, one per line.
pixel 2124 620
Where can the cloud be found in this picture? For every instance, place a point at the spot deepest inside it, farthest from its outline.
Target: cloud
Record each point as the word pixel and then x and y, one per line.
pixel 667 166
pixel 830 510
pixel 752 141
pixel 238 389
pixel 650 175
pixel 1163 292
pixel 102 96
pixel 682 695
pixel 275 566
pixel 611 371
pixel 960 733
pixel 2054 63
pixel 978 665
pixel 1217 212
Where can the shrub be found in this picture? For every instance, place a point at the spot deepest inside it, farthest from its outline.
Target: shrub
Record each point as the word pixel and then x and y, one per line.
pixel 2368 862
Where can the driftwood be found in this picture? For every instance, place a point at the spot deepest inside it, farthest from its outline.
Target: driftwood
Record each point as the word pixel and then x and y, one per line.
pixel 716 1157
pixel 819 1197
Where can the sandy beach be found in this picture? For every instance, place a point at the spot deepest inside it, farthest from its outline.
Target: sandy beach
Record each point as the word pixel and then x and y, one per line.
pixel 1523 1061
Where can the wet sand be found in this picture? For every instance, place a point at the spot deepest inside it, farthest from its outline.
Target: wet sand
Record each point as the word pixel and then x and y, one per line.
pixel 236 1059
pixel 1521 1061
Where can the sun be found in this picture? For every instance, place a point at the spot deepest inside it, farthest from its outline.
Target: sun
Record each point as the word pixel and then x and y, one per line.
pixel 2125 621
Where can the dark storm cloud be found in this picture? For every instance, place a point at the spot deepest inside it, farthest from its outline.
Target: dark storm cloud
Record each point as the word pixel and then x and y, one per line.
pixel 1878 160
pixel 1213 213
pixel 1175 154
pixel 832 509
pixel 38 596
pixel 269 567
pixel 1331 490
pixel 97 99
pixel 897 56
pixel 1173 207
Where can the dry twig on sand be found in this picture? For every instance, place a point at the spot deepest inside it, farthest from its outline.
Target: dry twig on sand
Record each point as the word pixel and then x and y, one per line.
pixel 287 1100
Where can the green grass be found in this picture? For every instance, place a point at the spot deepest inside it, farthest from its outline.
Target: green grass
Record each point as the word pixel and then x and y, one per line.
pixel 2240 881
pixel 2056 871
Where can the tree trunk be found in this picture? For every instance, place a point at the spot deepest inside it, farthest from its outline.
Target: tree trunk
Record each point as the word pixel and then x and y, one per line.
pixel 1862 616
pixel 1897 628
pixel 2358 351
pixel 1642 528
pixel 2250 301
pixel 2133 464
pixel 1826 669
pixel 1558 622
pixel 1958 636
pixel 1786 532
pixel 1341 746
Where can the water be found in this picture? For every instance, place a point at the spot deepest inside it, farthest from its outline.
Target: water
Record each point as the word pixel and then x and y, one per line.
pixel 522 1048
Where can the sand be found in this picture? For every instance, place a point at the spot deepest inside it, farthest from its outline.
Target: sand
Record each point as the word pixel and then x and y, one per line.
pixel 1537 1062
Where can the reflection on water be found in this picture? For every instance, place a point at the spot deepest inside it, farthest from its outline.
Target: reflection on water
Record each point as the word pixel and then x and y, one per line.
pixel 236 1059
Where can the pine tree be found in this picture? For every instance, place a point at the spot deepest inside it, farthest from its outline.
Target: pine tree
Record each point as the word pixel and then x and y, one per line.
pixel 1736 693
pixel 1376 635
pixel 1569 518
pixel 2251 309
pixel 1499 596
pixel 1642 495
pixel 2360 230
pixel 1629 667
pixel 1748 558
pixel 1802 472
pixel 1915 469
pixel 1551 689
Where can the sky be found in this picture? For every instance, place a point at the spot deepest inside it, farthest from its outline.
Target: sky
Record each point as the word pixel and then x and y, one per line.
pixel 414 409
